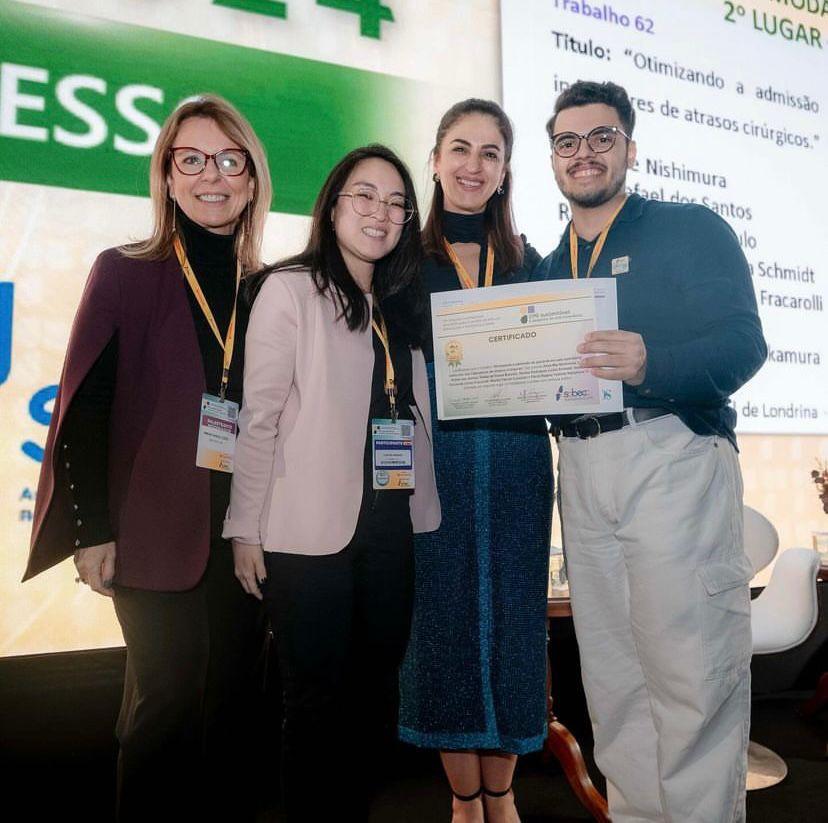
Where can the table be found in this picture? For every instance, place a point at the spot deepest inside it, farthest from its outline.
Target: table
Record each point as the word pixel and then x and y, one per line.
pixel 561 744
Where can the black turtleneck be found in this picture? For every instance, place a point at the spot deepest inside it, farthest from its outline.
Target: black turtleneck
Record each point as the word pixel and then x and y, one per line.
pixel 85 431
pixel 459 228
pixel 464 228
pixel 213 259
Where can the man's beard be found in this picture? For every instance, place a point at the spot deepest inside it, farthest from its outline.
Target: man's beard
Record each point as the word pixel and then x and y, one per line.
pixel 597 197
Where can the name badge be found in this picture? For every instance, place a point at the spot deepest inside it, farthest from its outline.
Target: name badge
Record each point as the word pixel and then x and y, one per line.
pixel 392 450
pixel 217 427
pixel 620 265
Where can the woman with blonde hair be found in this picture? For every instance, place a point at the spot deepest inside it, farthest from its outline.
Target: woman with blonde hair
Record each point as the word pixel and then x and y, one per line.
pixel 136 473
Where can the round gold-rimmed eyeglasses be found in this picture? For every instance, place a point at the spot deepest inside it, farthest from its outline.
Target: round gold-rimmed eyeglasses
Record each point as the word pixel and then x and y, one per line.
pixel 366 202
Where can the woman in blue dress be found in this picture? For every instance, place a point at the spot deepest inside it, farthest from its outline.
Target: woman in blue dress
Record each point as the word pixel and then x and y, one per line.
pixel 473 682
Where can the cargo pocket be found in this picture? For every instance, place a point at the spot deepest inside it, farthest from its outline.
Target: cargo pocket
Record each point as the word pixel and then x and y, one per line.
pixel 725 607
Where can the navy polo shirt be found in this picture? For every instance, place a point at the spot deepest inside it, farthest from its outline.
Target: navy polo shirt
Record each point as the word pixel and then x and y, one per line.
pixel 689 294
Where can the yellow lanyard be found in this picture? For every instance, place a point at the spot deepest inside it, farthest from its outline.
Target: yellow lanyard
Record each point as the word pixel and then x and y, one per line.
pixel 390 383
pixel 228 342
pixel 599 244
pixel 462 275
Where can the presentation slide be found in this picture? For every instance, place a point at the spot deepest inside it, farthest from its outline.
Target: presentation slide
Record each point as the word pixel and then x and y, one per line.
pixel 731 114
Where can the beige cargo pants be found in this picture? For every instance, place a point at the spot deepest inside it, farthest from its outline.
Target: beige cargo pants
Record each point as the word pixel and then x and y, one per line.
pixel 652 523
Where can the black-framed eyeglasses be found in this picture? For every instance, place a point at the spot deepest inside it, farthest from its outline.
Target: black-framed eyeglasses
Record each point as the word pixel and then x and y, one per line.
pixel 192 161
pixel 366 202
pixel 600 139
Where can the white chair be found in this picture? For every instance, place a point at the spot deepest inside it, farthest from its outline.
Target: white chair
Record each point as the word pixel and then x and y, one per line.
pixel 761 539
pixel 786 612
pixel 781 617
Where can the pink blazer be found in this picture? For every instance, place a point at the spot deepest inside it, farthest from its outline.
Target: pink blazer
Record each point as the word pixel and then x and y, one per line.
pixel 297 483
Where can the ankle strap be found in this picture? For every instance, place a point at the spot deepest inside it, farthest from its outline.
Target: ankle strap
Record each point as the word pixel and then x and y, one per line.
pixel 467 798
pixel 490 793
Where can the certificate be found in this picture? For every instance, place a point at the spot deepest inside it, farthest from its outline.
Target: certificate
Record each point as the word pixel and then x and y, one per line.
pixel 511 350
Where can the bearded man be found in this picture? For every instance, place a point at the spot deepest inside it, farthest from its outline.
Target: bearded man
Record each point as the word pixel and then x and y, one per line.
pixel 651 497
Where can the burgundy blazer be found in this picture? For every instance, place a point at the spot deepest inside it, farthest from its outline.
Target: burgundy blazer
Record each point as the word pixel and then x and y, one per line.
pixel 159 501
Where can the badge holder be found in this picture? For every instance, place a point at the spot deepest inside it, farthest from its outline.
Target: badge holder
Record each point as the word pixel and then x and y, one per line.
pixel 218 419
pixel 217 427
pixel 392 441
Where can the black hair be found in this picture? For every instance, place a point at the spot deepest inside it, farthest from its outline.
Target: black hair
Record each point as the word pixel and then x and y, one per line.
pixel 586 92
pixel 397 285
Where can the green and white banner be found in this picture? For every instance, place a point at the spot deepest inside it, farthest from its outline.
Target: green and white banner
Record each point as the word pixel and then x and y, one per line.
pixel 84 114
pixel 84 88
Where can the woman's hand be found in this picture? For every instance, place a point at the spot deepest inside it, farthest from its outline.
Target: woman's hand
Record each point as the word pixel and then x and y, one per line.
pixel 96 567
pixel 249 566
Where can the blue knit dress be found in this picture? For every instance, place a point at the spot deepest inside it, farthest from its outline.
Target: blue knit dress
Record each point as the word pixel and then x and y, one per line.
pixel 475 671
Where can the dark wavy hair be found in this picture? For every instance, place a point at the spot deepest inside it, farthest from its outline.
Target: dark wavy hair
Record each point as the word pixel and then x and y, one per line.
pixel 500 222
pixel 586 92
pixel 397 285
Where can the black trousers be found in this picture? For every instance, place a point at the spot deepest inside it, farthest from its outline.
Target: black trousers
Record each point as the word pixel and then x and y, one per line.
pixel 190 692
pixel 341 624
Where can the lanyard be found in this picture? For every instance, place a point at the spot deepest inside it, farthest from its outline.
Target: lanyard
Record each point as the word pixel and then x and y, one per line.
pixel 390 383
pixel 229 341
pixel 462 275
pixel 599 244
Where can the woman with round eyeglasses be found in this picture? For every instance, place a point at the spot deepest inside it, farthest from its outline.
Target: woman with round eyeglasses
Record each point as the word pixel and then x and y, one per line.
pixel 473 681
pixel 136 473
pixel 333 474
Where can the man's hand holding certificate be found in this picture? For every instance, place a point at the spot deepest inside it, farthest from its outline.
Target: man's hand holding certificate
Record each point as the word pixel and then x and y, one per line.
pixel 512 350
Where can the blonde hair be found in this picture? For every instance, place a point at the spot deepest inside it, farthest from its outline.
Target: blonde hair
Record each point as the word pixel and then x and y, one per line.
pixel 249 240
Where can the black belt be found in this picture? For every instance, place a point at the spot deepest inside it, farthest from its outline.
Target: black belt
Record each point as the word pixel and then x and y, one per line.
pixel 595 424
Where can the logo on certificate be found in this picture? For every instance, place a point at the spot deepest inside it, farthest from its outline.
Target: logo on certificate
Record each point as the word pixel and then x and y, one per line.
pixel 525 311
pixel 576 393
pixel 454 352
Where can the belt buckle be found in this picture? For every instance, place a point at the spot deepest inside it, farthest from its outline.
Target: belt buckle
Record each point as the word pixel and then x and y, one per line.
pixel 588 436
